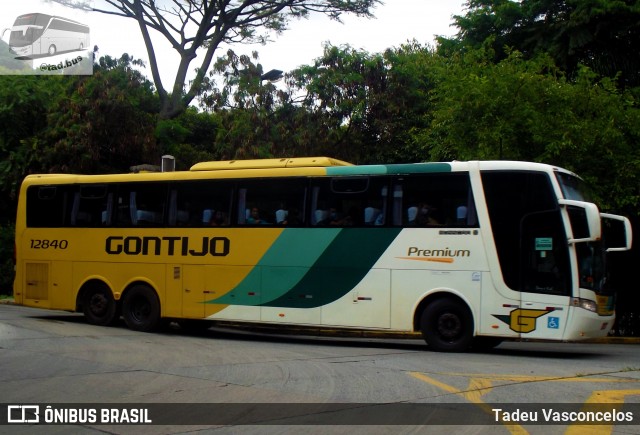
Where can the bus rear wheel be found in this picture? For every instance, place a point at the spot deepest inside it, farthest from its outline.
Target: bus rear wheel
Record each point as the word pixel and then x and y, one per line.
pixel 141 308
pixel 447 325
pixel 98 306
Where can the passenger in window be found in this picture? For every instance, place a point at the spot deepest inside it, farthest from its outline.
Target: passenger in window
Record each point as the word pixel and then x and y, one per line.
pixel 332 218
pixel 425 215
pixel 217 219
pixel 255 219
pixel 288 217
pixel 337 219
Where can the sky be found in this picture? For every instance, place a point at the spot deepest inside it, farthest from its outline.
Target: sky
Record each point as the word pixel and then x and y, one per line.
pixel 396 22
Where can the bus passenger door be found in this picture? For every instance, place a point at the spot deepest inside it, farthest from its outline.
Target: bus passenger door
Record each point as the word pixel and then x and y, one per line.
pixel 545 278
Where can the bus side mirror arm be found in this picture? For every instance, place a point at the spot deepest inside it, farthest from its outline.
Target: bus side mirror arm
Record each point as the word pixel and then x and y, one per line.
pixel 627 231
pixel 592 216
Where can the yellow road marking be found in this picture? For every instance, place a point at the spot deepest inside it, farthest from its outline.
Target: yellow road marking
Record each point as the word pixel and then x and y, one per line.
pixel 605 396
pixel 481 384
pixel 477 388
pixel 526 378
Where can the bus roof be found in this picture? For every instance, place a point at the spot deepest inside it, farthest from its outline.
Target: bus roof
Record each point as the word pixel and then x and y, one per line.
pixel 300 162
pixel 296 166
pixel 46 18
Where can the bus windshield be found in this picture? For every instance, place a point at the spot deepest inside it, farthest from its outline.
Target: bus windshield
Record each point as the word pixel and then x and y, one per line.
pixel 592 256
pixel 574 187
pixel 27 29
pixel 592 262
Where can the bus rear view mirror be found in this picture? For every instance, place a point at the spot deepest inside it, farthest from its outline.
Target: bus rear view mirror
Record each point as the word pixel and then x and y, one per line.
pixel 618 233
pixel 585 220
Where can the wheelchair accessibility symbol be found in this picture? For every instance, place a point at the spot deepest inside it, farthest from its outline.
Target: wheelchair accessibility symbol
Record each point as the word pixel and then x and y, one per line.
pixel 553 322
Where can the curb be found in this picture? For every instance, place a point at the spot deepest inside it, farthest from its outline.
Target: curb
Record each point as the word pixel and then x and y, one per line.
pixel 327 332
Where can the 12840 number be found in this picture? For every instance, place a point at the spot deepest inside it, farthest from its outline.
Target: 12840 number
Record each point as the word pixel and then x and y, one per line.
pixel 49 244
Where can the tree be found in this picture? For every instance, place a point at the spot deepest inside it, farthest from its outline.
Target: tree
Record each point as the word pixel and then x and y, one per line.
pixel 348 104
pixel 370 102
pixel 106 122
pixel 521 109
pixel 190 137
pixel 253 114
pixel 25 104
pixel 191 25
pixel 602 34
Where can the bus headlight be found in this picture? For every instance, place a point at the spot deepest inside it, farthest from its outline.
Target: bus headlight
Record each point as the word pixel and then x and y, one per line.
pixel 587 304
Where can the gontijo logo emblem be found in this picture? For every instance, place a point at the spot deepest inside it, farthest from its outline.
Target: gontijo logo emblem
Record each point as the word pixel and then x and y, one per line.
pixel 524 320
pixel 446 255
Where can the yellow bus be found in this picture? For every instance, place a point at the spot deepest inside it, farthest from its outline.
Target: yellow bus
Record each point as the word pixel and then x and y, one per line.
pixel 468 253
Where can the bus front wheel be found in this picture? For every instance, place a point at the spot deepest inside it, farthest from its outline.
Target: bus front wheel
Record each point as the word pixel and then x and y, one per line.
pixel 98 306
pixel 447 325
pixel 141 308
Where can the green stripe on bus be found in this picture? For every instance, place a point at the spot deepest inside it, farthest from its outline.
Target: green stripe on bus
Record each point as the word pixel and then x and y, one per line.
pixel 418 168
pixel 339 269
pixel 412 168
pixel 283 265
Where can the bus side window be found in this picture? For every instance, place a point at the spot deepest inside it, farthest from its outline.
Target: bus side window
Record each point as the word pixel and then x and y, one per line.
pixel 279 201
pixel 349 201
pixel 434 200
pixel 200 203
pixel 144 212
pixel 140 204
pixel 92 206
pixel 48 206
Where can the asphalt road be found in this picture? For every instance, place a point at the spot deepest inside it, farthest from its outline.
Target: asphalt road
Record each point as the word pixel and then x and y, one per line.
pixel 54 358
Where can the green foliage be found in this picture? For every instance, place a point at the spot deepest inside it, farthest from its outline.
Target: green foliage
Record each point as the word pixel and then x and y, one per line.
pixel 368 103
pixel 526 110
pixel 200 27
pixel 412 104
pixel 602 34
pixel 106 121
pixel 189 137
pixel 255 119
pixel 25 102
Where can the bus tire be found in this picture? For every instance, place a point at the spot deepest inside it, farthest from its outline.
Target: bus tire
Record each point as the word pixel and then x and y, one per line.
pixel 447 325
pixel 98 305
pixel 141 308
pixel 52 50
